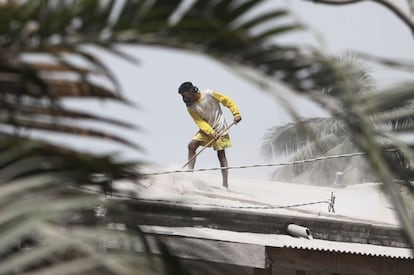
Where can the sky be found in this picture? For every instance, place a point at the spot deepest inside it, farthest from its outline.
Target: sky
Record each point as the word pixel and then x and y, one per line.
pixel 165 126
pixel 366 26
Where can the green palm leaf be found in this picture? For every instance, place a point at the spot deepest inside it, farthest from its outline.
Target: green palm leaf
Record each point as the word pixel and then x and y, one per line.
pixel 389 113
pixel 37 172
pixel 373 120
pixel 48 222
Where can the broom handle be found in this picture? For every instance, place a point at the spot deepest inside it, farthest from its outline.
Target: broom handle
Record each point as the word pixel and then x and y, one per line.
pixel 208 144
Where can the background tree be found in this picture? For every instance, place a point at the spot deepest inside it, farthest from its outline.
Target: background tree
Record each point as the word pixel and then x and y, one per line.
pixel 356 110
pixel 330 137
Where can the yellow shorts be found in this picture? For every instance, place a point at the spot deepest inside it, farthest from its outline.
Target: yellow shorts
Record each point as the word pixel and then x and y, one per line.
pixel 221 143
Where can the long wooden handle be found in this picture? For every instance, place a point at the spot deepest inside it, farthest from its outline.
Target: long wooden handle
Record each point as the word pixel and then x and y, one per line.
pixel 208 144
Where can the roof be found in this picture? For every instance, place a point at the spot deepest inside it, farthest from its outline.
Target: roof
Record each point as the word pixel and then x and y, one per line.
pixel 361 206
pixel 361 203
pixel 281 241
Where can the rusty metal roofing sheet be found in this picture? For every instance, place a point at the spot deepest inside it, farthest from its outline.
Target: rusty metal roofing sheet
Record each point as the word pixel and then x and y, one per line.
pixel 278 240
pixel 344 247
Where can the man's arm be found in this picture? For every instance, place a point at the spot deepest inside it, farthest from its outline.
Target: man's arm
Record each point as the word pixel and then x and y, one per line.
pixel 201 123
pixel 229 103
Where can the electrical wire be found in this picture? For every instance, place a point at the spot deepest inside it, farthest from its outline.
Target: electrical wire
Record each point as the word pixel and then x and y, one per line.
pixel 330 201
pixel 254 165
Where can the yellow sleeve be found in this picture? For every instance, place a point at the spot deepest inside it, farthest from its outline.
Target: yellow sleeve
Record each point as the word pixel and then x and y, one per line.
pixel 201 123
pixel 227 101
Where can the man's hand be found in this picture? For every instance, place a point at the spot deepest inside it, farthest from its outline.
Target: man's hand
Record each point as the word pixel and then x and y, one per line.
pixel 237 119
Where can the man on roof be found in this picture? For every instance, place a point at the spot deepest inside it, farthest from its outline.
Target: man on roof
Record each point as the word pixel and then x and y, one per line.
pixel 204 107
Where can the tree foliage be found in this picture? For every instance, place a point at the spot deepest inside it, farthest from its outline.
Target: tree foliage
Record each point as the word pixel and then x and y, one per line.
pixel 331 137
pixel 49 225
pixel 50 207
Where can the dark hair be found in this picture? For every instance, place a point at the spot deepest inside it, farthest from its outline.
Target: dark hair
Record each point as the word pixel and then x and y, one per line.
pixel 187 86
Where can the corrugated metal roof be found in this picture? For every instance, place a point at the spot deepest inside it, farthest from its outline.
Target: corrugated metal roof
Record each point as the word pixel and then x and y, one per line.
pixel 343 247
pixel 277 240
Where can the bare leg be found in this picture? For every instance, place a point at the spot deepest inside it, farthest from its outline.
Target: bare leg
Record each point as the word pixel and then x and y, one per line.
pixel 223 163
pixel 192 149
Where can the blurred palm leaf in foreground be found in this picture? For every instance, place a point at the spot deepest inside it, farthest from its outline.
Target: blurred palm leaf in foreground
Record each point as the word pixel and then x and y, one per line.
pixel 331 136
pixel 377 124
pixel 49 224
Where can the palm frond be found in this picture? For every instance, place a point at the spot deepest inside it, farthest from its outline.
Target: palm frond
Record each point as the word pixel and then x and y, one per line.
pixel 291 137
pixel 352 77
pixel 30 98
pixel 48 222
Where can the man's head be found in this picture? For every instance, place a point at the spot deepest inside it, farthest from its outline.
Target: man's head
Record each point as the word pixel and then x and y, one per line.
pixel 187 87
pixel 189 92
